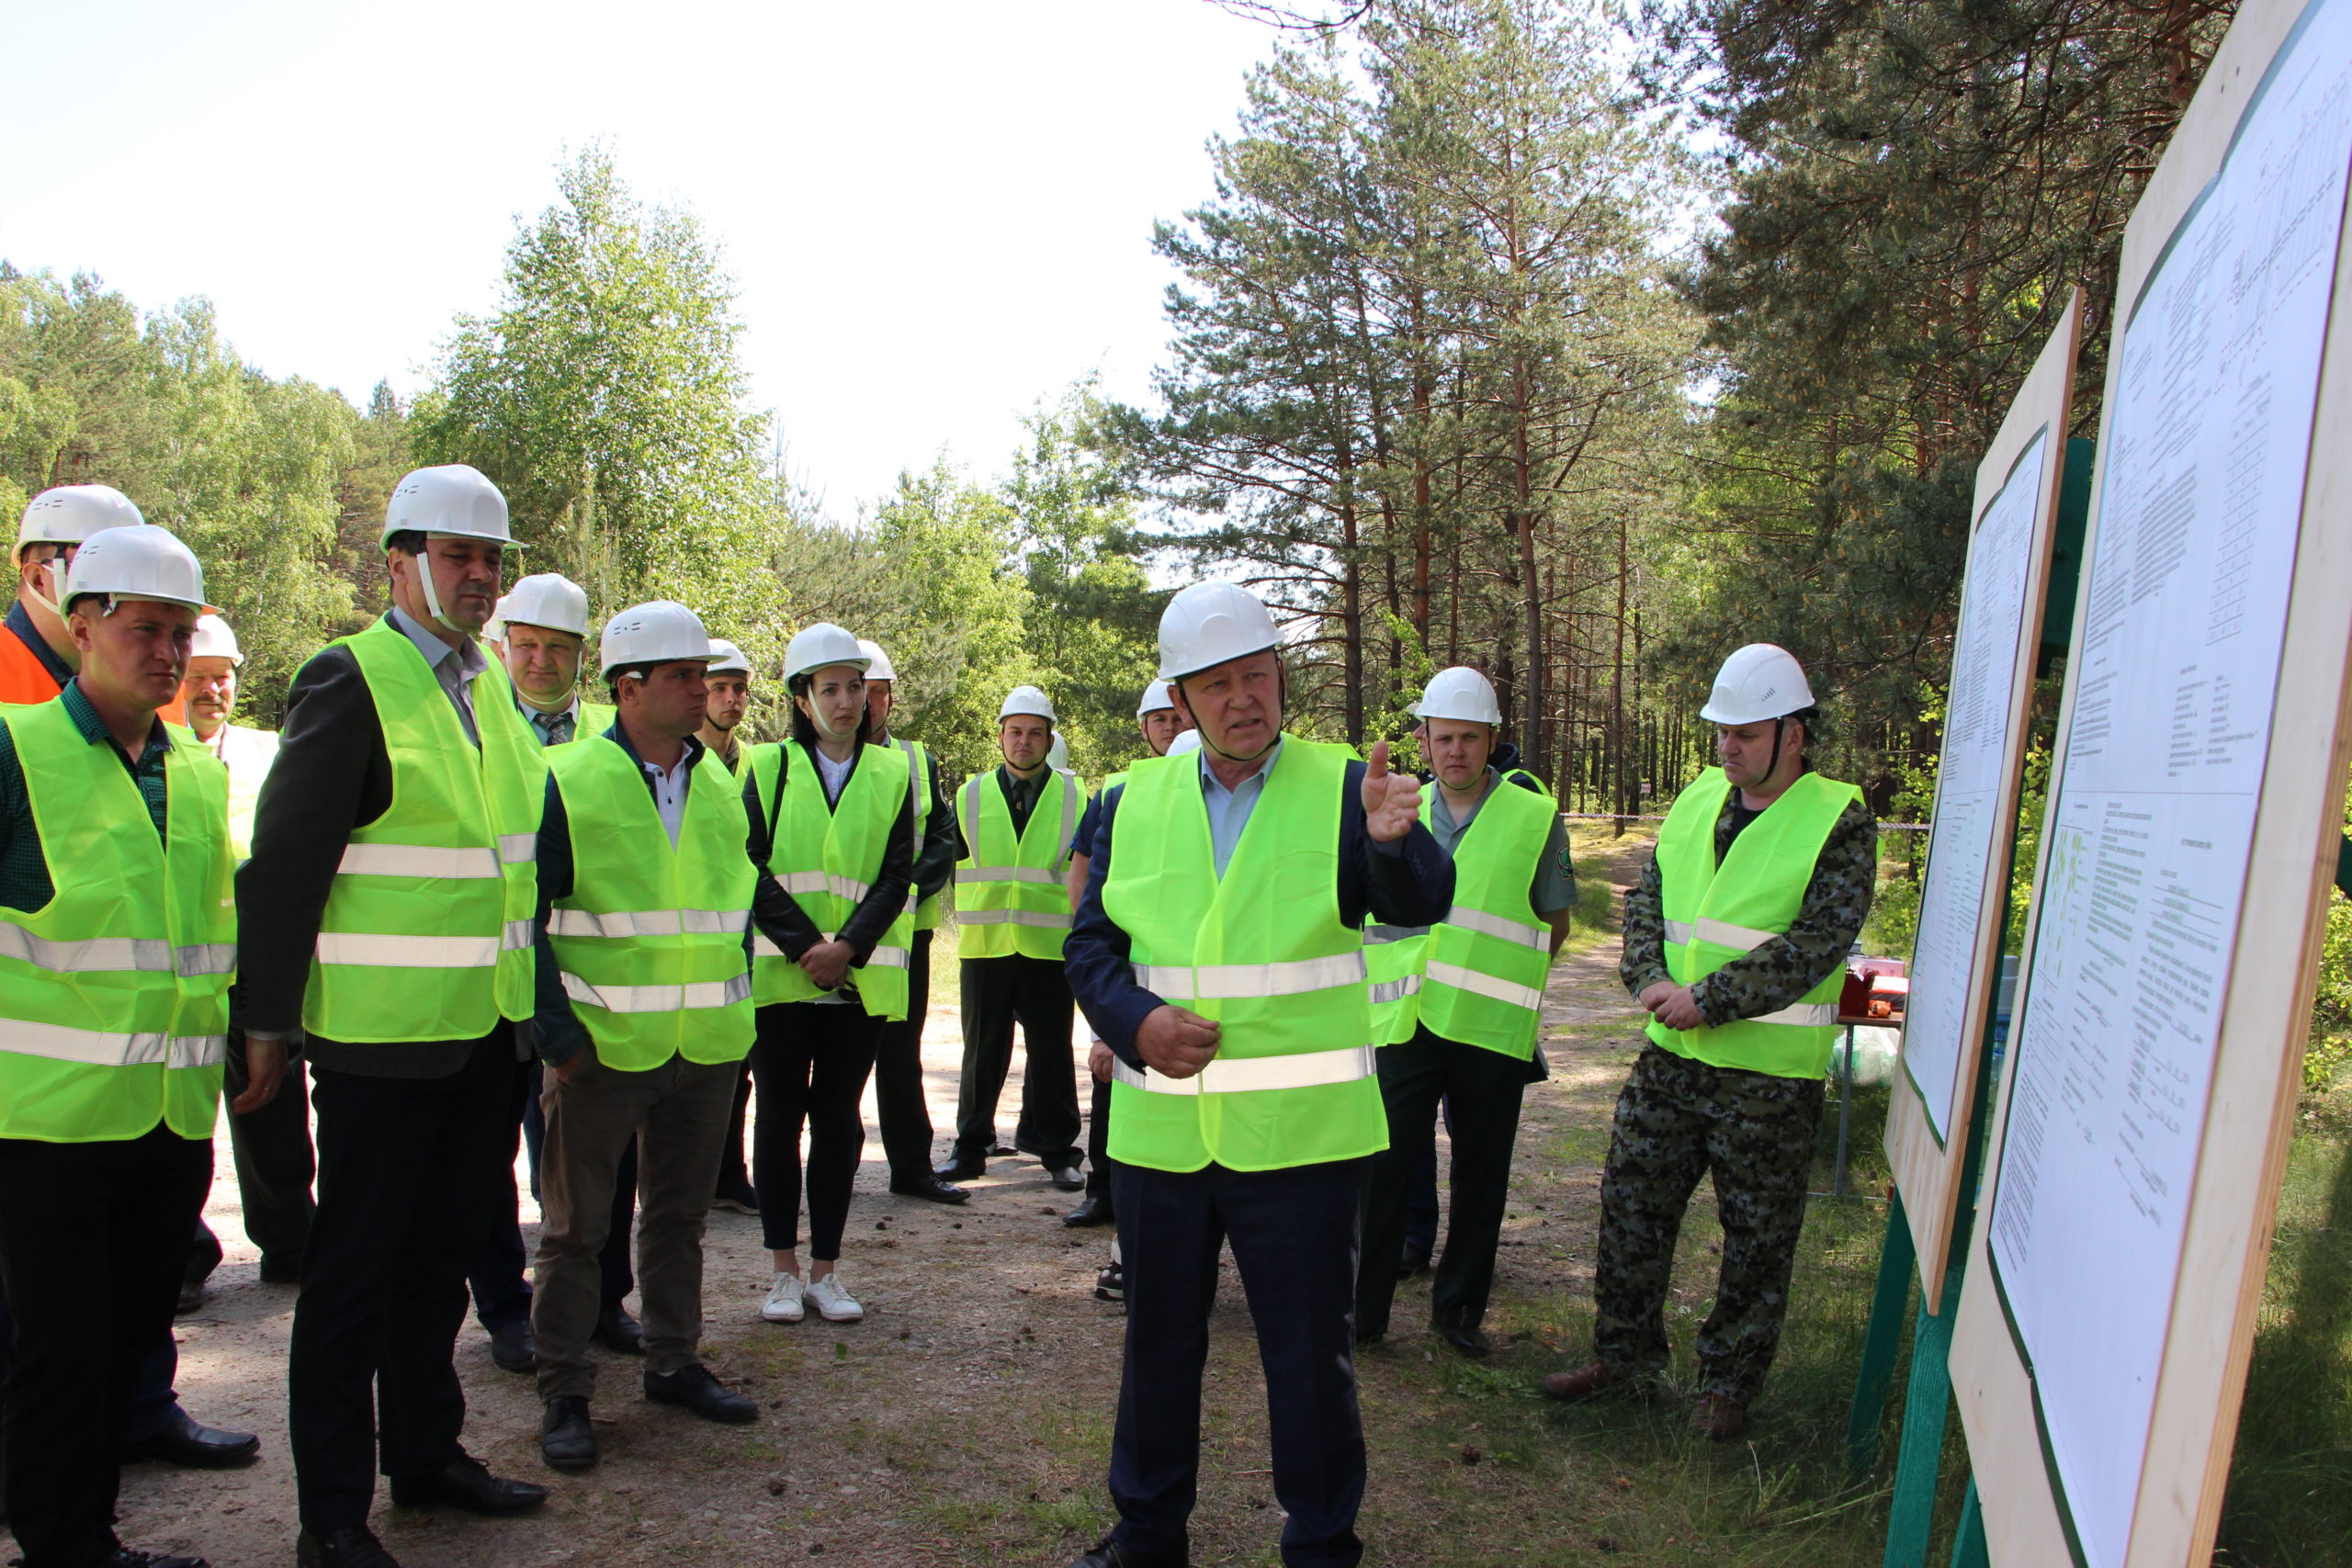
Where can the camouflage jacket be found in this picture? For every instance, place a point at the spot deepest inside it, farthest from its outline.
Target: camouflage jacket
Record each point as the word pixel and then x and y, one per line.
pixel 1781 972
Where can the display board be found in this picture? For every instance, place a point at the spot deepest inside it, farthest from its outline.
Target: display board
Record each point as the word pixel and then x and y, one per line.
pixel 2146 1103
pixel 1955 965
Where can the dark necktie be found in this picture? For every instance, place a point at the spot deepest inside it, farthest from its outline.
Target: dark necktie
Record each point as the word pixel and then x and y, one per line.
pixel 554 728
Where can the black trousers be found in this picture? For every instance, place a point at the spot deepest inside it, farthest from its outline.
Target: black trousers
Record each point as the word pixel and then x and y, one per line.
pixel 275 1168
pixel 734 1173
pixel 1294 1236
pixel 812 1060
pixel 1482 1090
pixel 93 1241
pixel 501 1289
pixel 996 991
pixel 1098 1140
pixel 409 1191
pixel 898 1100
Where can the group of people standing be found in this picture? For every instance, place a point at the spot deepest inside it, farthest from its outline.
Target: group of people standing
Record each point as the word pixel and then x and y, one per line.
pixel 485 907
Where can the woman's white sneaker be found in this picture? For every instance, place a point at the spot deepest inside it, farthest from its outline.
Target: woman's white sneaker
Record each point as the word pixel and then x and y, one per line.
pixel 782 1304
pixel 832 1302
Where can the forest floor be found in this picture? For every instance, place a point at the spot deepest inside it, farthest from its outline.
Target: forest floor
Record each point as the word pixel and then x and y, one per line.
pixel 968 1420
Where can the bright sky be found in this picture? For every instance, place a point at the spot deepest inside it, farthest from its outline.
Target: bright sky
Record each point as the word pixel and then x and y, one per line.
pixel 938 211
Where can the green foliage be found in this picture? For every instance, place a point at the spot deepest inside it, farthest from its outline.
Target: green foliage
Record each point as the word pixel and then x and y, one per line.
pixel 605 395
pixel 254 474
pixel 2329 1047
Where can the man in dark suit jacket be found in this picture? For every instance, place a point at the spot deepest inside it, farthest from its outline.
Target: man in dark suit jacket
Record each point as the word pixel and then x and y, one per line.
pixel 381 923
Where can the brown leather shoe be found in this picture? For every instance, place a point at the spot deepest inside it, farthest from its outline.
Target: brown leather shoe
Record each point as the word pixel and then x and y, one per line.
pixel 1594 1377
pixel 1719 1417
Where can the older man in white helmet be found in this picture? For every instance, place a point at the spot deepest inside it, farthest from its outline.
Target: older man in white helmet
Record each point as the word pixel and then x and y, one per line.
pixel 385 919
pixel 1012 917
pixel 1219 953
pixel 1735 940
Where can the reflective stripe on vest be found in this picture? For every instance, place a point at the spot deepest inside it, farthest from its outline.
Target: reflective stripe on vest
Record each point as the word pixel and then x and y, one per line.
pixel 1713 915
pixel 1262 952
pixel 426 934
pixel 1310 1069
pixel 648 940
pixel 926 914
pixel 1482 969
pixel 1009 895
pixel 114 1004
pixel 1229 980
pixel 826 856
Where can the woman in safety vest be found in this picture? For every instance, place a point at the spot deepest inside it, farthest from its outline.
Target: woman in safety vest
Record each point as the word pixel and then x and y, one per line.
pixel 1736 941
pixel 832 820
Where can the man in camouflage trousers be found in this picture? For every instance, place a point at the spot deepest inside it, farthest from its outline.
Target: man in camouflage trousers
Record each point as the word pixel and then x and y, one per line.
pixel 1735 943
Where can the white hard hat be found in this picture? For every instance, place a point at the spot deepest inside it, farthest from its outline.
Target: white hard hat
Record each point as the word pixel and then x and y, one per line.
pixel 215 640
pixel 1058 754
pixel 1209 623
pixel 546 599
pixel 1155 697
pixel 652 633
pixel 1188 741
pixel 449 499
pixel 726 658
pixel 67 515
pixel 1026 700
pixel 137 561
pixel 1761 680
pixel 878 668
pixel 817 647
pixel 1459 692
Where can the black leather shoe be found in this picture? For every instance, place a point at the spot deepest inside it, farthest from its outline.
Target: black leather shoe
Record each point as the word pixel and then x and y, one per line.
pixel 1068 1178
pixel 740 1196
pixel 567 1440
pixel 695 1388
pixel 353 1548
pixel 282 1270
pixel 190 1298
pixel 1116 1554
pixel 961 1168
pixel 1416 1260
pixel 930 1186
pixel 131 1557
pixel 512 1347
pixel 185 1441
pixel 1468 1341
pixel 1094 1209
pixel 1004 1151
pixel 465 1483
pixel 615 1330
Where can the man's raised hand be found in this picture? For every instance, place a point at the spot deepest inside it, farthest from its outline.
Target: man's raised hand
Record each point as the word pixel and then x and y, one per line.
pixel 1392 802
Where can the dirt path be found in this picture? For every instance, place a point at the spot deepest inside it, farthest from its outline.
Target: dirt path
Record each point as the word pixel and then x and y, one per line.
pixel 967 1420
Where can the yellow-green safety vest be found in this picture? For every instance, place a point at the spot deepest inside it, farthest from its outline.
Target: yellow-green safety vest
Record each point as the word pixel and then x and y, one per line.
pixel 1010 897
pixel 827 859
pixel 116 991
pixel 1714 915
pixel 650 940
pixel 919 775
pixel 427 932
pixel 248 755
pixel 1261 950
pixel 1482 967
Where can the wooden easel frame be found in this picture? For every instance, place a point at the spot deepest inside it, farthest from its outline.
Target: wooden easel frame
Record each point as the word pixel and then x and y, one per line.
pixel 1926 1168
pixel 2257 1074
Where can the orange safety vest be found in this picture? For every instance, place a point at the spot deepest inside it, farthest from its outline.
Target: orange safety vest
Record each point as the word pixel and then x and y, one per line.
pixel 25 679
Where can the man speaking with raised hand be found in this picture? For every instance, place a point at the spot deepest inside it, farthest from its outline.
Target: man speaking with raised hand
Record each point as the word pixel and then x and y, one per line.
pixel 1219 952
